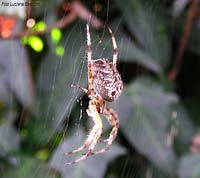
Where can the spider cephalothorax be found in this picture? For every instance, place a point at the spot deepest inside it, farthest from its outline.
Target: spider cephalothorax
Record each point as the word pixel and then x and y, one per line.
pixel 107 81
pixel 104 84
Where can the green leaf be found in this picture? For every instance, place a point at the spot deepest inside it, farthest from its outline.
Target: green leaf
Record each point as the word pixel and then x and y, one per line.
pixel 27 166
pixel 55 96
pixel 128 51
pixel 184 125
pixel 189 166
pixel 149 23
pixel 179 6
pixel 92 167
pixel 15 76
pixel 144 111
pixel 9 138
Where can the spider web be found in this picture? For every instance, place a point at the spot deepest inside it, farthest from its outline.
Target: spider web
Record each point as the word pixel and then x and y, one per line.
pixel 60 120
pixel 102 47
pixel 75 50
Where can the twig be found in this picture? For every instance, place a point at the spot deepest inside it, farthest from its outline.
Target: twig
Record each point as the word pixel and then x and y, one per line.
pixel 77 10
pixel 60 24
pixel 192 13
pixel 85 14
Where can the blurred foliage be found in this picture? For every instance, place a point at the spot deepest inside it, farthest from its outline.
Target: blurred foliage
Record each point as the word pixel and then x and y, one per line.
pixel 42 116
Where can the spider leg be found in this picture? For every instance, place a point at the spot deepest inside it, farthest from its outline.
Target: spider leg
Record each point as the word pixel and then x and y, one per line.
pixel 77 150
pixel 79 159
pixel 81 88
pixel 94 134
pixel 89 57
pixel 113 120
pixel 115 49
pixel 89 48
pixel 87 142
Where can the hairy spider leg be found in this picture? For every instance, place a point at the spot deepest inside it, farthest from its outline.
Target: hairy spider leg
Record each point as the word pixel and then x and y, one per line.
pixel 92 94
pixel 112 118
pixel 87 142
pixel 94 134
pixel 93 111
pixel 115 49
pixel 89 91
pixel 89 57
pixel 81 88
pixel 96 107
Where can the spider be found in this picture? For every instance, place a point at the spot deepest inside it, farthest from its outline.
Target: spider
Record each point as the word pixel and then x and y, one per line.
pixel 104 84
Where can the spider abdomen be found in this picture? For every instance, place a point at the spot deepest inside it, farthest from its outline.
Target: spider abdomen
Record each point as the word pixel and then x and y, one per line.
pixel 106 79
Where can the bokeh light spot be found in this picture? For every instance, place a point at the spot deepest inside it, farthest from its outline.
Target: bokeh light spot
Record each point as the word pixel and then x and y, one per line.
pixel 24 40
pixel 60 50
pixel 40 26
pixel 36 43
pixel 56 35
pixel 30 23
pixel 42 154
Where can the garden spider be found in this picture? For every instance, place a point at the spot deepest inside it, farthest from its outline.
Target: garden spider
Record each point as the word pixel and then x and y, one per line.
pixel 104 84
